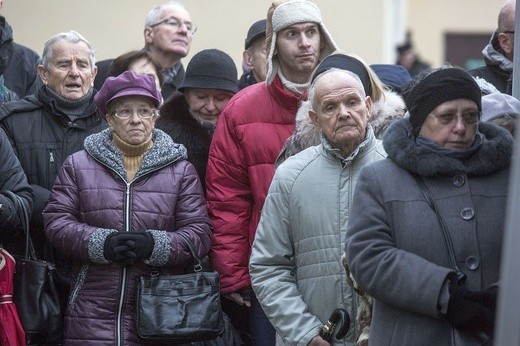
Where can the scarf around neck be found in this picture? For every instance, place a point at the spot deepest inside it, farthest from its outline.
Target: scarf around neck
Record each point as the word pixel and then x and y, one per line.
pixel 71 108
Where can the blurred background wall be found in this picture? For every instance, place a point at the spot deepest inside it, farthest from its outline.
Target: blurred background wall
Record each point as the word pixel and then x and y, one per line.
pixel 441 30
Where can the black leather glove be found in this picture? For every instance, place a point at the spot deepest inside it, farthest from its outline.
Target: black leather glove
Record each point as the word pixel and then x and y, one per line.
pixel 140 245
pixel 115 247
pixel 472 311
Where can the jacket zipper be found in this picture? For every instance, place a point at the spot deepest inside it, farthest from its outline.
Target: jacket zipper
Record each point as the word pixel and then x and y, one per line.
pixel 119 317
pixel 122 290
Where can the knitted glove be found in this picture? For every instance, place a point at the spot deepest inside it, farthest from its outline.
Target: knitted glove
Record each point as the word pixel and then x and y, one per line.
pixel 140 245
pixel 471 311
pixel 114 248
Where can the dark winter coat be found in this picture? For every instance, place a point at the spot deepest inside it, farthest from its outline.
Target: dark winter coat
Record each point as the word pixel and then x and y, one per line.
pixel 12 178
pixel 246 80
pixel 20 63
pixel 42 138
pixel 395 247
pixel 177 122
pixel 169 87
pixel 91 199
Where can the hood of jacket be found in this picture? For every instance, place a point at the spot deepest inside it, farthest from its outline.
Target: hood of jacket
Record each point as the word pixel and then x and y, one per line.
pixel 493 154
pixel 494 55
pixel 163 152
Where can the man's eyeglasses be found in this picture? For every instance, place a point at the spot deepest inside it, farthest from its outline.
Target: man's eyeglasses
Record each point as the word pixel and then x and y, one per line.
pixel 509 32
pixel 469 118
pixel 176 24
pixel 127 113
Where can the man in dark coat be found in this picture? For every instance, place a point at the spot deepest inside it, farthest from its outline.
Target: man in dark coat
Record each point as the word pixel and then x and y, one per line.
pixel 191 114
pixel 254 56
pixel 498 53
pixel 48 126
pixel 20 62
pixel 168 31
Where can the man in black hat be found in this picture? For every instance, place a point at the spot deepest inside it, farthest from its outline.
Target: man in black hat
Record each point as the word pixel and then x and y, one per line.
pixel 498 53
pixel 254 56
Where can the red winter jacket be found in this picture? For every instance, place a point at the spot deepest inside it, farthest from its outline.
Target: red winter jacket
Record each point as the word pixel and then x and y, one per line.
pixel 249 135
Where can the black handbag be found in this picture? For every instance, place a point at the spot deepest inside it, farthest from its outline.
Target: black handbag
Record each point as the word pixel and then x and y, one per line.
pixel 179 308
pixel 36 294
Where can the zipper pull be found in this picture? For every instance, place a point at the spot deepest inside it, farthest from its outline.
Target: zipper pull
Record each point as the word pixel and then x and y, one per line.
pixel 51 157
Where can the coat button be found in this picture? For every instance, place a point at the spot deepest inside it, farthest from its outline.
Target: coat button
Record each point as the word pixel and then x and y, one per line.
pixel 467 213
pixel 458 180
pixel 472 263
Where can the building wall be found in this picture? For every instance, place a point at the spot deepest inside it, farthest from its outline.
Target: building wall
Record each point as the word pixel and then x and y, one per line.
pixel 115 26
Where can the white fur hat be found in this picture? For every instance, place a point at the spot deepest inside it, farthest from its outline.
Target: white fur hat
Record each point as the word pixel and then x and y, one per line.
pixel 283 14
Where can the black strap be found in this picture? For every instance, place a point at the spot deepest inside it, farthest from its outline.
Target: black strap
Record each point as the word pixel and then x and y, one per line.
pixel 197 265
pixel 23 214
pixel 447 238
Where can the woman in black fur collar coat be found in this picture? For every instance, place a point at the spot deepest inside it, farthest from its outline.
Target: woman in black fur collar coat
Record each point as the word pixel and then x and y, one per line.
pixel 424 237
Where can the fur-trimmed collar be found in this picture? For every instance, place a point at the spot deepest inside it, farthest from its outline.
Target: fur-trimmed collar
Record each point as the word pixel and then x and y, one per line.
pixel 163 152
pixel 493 154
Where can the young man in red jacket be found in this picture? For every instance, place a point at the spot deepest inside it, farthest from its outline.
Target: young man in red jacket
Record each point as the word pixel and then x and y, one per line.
pixel 249 135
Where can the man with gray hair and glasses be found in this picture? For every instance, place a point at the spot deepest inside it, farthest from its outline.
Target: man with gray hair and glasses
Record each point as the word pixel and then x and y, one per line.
pixel 168 31
pixel 48 126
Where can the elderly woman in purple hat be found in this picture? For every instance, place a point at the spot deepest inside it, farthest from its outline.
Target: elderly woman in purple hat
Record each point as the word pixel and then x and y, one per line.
pixel 116 210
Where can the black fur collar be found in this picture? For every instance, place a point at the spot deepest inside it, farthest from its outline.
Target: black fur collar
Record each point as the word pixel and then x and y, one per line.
pixel 494 153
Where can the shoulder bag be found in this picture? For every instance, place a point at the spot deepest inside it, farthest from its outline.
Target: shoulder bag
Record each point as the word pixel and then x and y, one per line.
pixel 36 294
pixel 179 308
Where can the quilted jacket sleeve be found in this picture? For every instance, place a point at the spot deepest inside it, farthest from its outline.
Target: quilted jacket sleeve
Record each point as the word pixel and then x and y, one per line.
pixel 230 203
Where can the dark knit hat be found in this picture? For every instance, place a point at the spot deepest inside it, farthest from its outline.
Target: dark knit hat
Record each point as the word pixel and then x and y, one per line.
pixel 440 86
pixel 255 31
pixel 127 83
pixel 347 63
pixel 211 69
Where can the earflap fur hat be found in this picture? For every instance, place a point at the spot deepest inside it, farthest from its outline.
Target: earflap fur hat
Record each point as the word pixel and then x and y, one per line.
pixel 284 13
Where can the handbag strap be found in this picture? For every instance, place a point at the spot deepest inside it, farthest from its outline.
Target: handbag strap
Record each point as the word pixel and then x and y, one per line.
pixel 197 265
pixel 23 214
pixel 446 234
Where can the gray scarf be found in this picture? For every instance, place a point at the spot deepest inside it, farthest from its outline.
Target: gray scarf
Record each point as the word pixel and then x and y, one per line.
pixel 72 108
